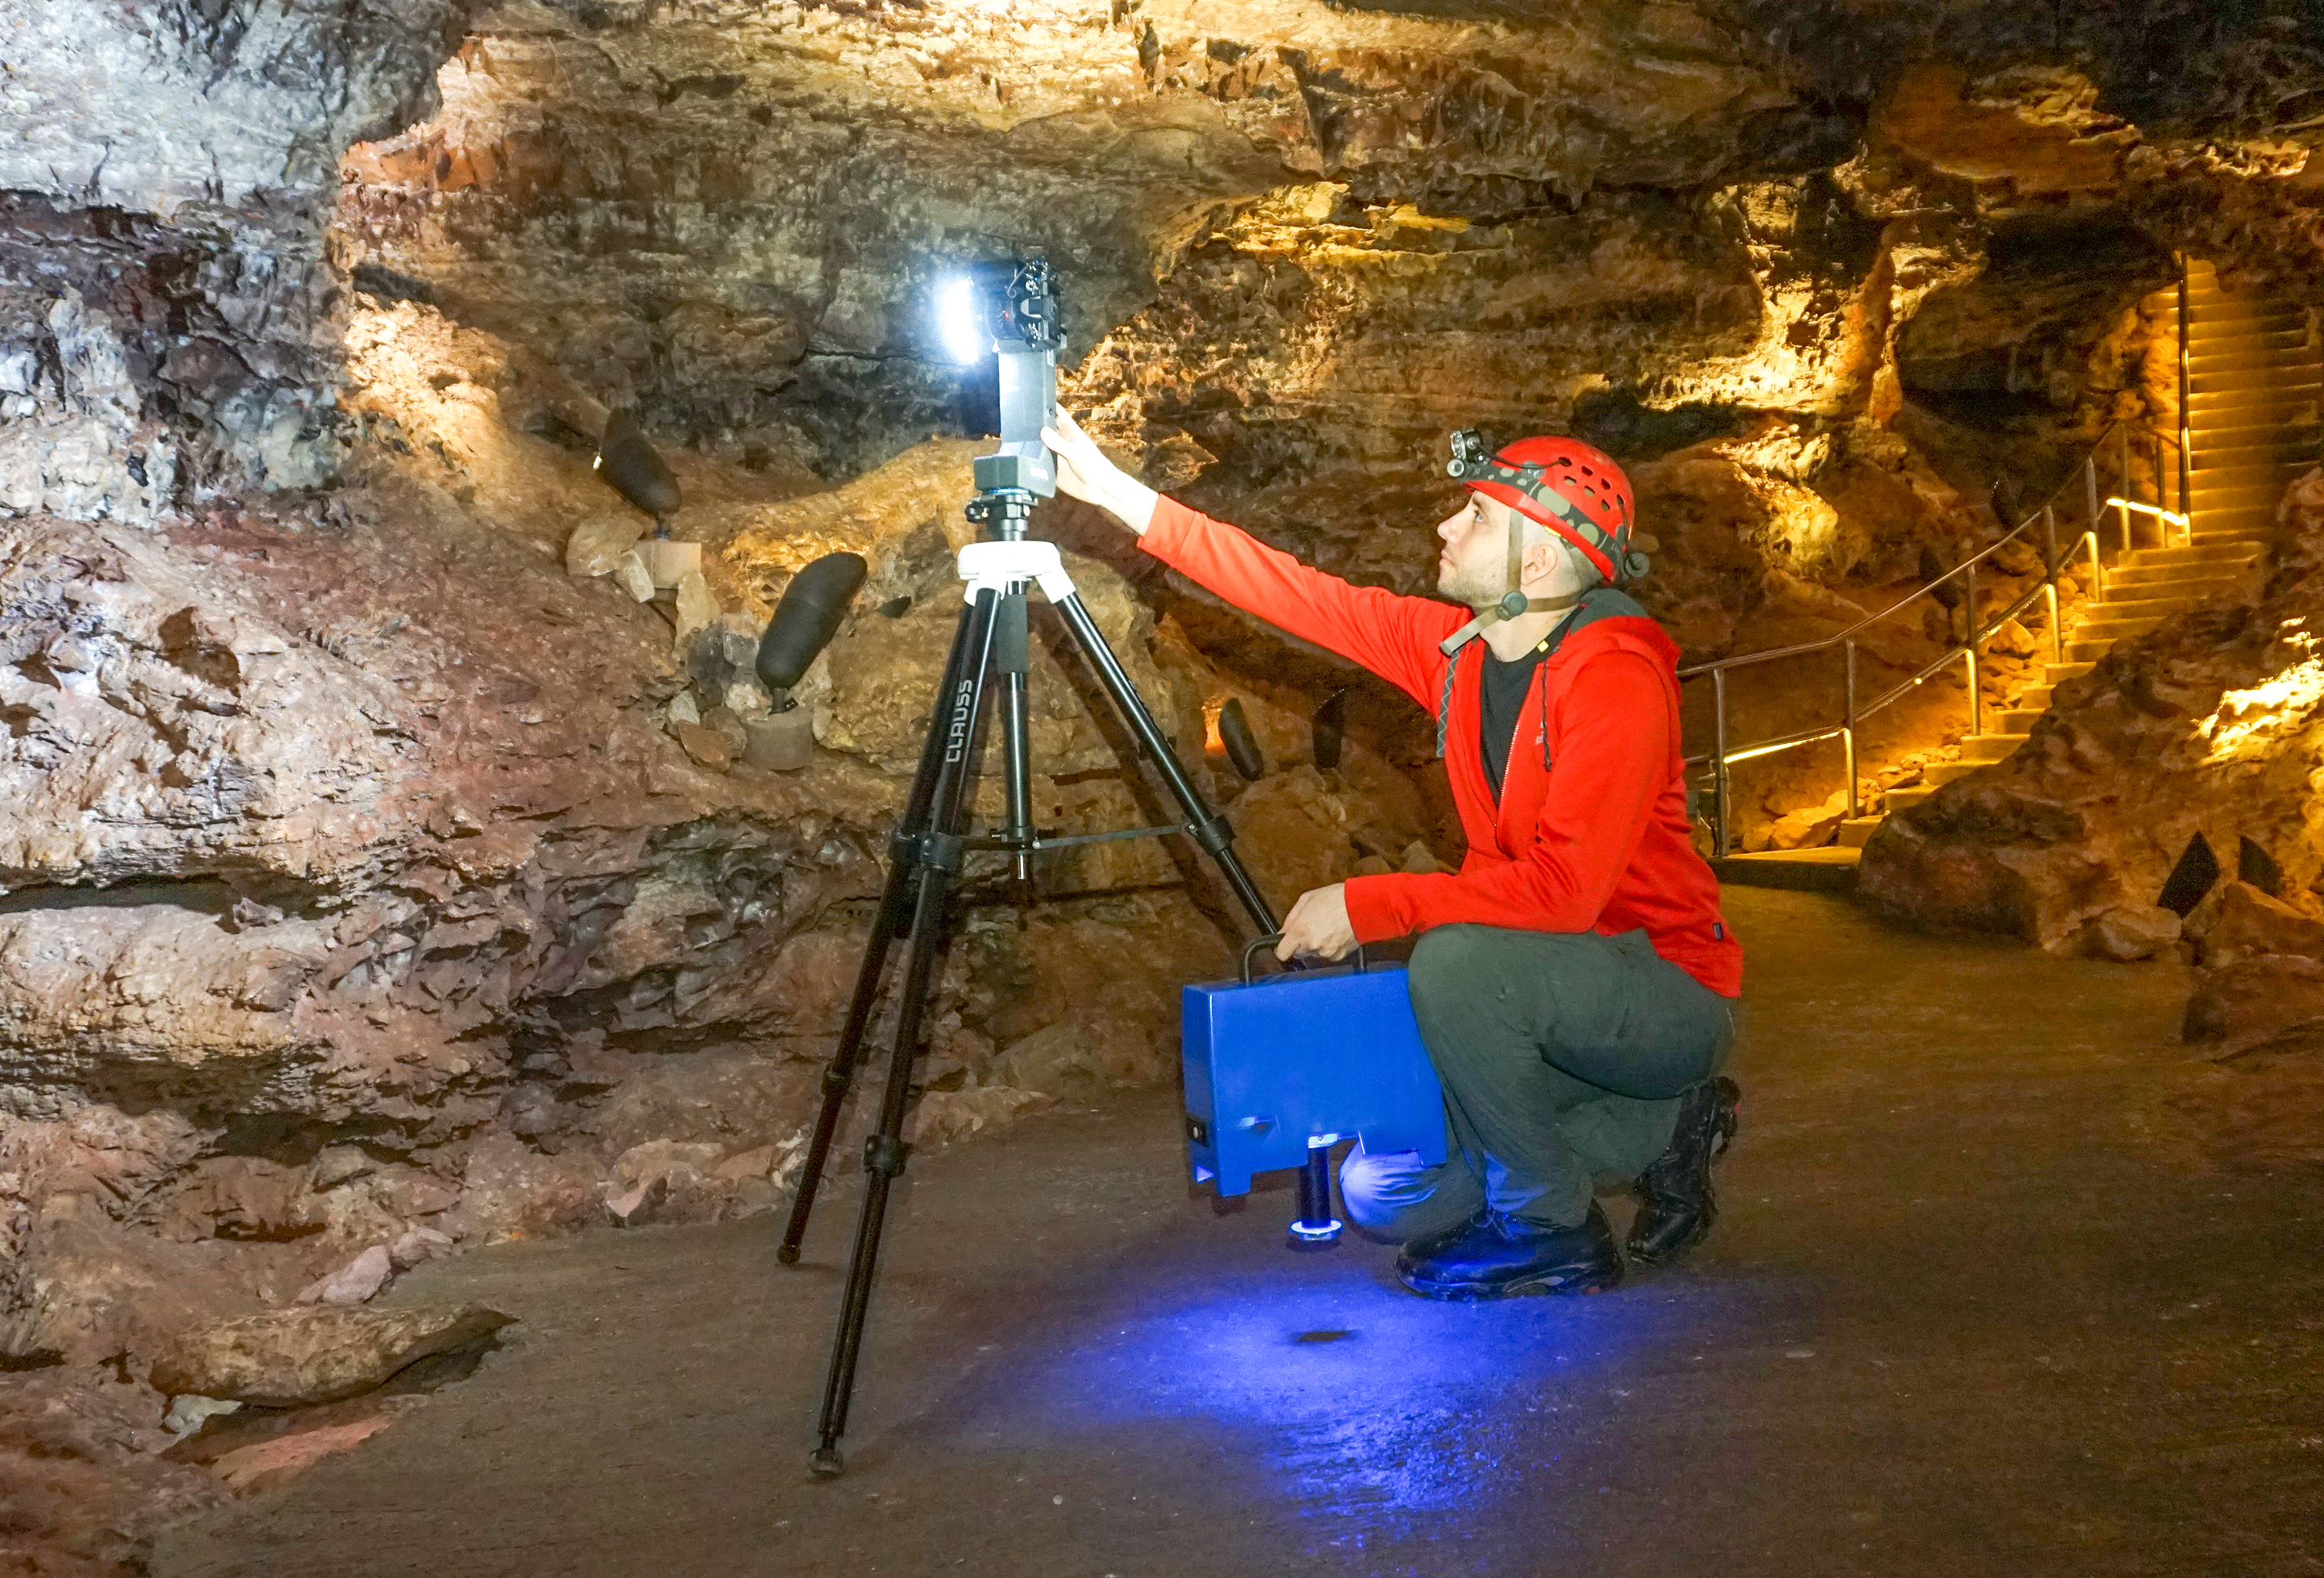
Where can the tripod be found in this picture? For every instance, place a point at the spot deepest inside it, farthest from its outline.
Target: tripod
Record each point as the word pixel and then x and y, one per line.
pixel 926 855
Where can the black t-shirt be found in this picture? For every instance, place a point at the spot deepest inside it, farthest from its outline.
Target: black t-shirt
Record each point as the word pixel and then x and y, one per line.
pixel 1499 699
pixel 1502 690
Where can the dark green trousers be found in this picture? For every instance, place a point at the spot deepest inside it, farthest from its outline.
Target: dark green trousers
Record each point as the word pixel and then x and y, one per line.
pixel 1562 1055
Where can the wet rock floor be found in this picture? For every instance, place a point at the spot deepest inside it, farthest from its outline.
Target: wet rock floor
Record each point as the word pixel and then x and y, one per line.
pixel 1968 1312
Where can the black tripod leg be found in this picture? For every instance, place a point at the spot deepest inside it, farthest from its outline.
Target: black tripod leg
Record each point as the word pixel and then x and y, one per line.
pixel 894 913
pixel 1011 660
pixel 883 1153
pixel 1211 830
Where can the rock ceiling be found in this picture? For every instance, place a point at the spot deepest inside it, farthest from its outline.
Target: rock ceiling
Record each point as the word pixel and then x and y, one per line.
pixel 425 858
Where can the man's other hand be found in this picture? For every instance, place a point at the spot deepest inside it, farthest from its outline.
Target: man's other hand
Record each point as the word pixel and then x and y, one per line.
pixel 1084 473
pixel 1318 924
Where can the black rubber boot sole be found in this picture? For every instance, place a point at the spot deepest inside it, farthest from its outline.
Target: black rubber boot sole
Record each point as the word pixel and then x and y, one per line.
pixel 1593 1276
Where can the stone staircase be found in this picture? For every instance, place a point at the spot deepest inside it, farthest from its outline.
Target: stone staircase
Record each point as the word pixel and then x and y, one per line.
pixel 2255 392
pixel 2255 375
pixel 2144 588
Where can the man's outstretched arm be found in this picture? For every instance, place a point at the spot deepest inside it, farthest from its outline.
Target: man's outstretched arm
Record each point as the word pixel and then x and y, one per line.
pixel 1393 636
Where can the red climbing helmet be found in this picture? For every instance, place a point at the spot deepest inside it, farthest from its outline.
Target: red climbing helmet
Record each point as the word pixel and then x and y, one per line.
pixel 1573 489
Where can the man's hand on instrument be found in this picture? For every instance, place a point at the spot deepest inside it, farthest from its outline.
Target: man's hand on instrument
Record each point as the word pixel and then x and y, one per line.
pixel 1318 924
pixel 1084 473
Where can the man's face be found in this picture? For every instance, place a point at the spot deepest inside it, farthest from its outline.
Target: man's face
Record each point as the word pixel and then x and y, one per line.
pixel 1474 567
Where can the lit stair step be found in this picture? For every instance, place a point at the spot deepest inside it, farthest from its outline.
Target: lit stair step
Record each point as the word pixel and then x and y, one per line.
pixel 2182 556
pixel 2261 379
pixel 2259 354
pixel 2286 368
pixel 2227 325
pixel 2288 449
pixel 2057 674
pixel 2119 606
pixel 2089 651
pixel 2263 359
pixel 1941 774
pixel 2211 356
pixel 2303 435
pixel 2243 491
pixel 2279 318
pixel 2251 507
pixel 2211 479
pixel 1855 832
pixel 2297 387
pixel 1831 869
pixel 2165 580
pixel 2035 698
pixel 2015 720
pixel 2253 405
pixel 2245 327
pixel 1982 748
pixel 2255 507
pixel 1911 794
pixel 2111 630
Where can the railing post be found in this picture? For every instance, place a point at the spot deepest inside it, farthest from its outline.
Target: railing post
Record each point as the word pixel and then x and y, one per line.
pixel 2090 488
pixel 2186 420
pixel 1847 732
pixel 1976 702
pixel 2098 570
pixel 2049 577
pixel 2161 531
pixel 1719 759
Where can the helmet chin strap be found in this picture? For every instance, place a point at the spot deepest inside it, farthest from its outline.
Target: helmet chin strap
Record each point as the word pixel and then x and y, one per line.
pixel 1513 602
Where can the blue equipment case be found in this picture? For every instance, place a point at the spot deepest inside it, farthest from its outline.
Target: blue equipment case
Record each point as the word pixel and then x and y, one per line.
pixel 1274 1063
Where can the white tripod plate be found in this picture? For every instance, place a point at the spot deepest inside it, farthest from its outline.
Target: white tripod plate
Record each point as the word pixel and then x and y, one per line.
pixel 997 566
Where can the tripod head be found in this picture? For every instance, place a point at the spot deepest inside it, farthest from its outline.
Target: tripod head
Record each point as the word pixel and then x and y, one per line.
pixel 1000 511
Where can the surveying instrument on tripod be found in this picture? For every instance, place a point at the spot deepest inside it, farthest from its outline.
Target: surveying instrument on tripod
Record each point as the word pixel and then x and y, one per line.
pixel 1009 309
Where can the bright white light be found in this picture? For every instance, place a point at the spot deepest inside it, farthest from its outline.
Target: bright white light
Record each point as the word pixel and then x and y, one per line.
pixel 959 323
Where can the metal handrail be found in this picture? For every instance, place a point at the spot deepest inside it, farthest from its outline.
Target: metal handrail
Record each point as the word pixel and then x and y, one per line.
pixel 1720 757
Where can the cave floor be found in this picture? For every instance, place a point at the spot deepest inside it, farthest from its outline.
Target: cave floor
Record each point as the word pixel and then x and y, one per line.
pixel 1968 1312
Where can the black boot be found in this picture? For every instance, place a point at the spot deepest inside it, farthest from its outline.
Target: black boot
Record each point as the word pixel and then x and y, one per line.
pixel 1676 1204
pixel 1493 1256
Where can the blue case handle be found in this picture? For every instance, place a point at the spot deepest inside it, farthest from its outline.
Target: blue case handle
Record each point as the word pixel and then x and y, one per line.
pixel 1256 944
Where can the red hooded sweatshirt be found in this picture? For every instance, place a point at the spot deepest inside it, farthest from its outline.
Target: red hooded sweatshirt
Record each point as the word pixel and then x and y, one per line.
pixel 1590 833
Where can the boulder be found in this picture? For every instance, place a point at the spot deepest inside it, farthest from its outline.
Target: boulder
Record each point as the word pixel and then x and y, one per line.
pixel 2132 932
pixel 631 574
pixel 707 745
pixel 354 1283
pixel 1809 828
pixel 336 1164
pixel 598 545
pixel 2255 998
pixel 2248 923
pixel 943 1117
pixel 698 609
pixel 292 1358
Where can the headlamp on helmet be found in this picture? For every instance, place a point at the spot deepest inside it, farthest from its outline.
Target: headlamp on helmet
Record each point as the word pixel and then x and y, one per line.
pixel 1470 454
pixel 1565 486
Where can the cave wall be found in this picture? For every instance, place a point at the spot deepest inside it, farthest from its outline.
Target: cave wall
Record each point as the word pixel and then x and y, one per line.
pixel 375 864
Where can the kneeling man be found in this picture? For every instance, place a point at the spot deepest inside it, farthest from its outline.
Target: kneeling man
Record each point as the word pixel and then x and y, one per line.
pixel 1575 981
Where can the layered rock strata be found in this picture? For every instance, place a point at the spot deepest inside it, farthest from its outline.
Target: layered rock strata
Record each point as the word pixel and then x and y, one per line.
pixel 383 872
